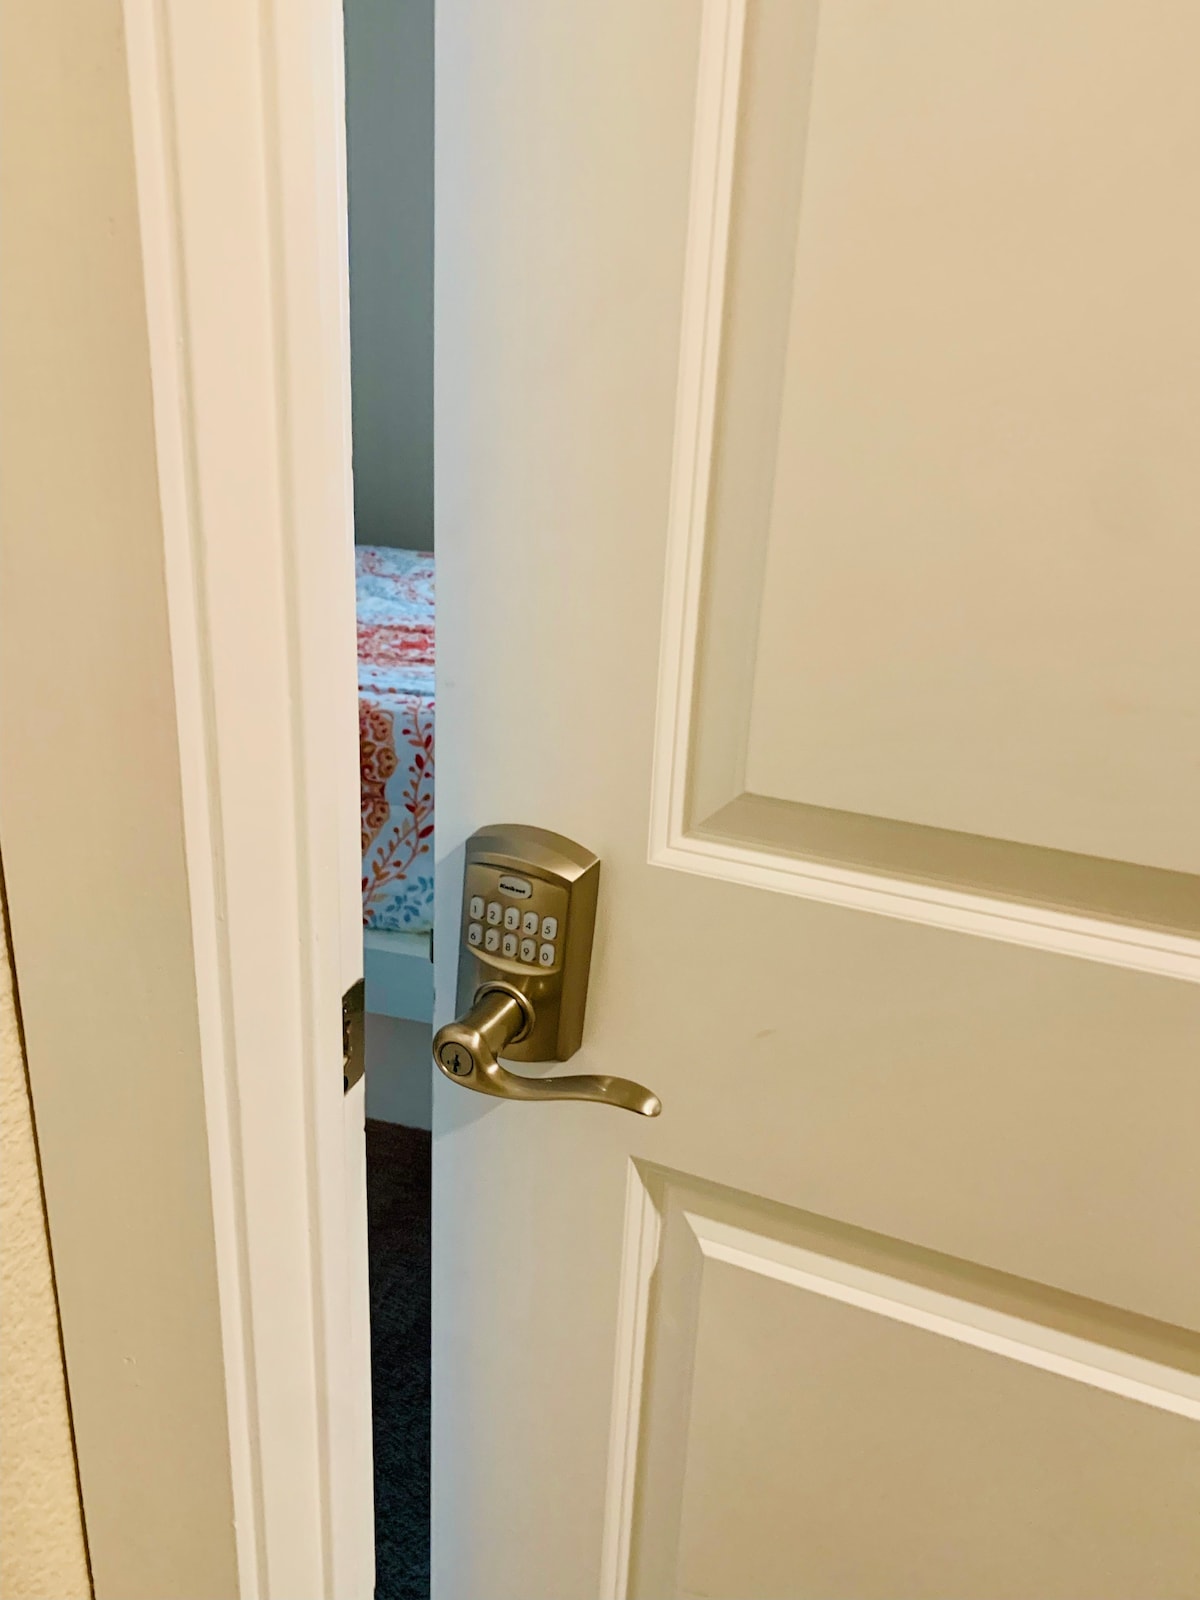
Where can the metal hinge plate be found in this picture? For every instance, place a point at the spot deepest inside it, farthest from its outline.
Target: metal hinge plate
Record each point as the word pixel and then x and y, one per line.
pixel 353 1034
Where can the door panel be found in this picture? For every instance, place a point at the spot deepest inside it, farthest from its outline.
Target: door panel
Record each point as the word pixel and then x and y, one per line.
pixel 983 484
pixel 892 1465
pixel 820 1401
pixel 916 1012
pixel 932 634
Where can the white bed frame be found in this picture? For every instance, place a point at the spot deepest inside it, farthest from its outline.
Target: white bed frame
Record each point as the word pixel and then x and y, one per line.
pixel 398 968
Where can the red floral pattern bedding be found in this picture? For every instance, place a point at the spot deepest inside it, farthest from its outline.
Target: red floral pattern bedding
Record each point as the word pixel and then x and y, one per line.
pixel 395 725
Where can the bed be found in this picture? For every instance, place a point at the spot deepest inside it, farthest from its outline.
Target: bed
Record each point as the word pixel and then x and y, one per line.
pixel 395 601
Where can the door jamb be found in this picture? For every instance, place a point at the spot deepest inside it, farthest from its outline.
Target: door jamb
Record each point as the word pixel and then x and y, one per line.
pixel 239 139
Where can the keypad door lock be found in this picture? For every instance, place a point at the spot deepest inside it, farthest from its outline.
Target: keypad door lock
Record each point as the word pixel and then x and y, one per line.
pixel 528 915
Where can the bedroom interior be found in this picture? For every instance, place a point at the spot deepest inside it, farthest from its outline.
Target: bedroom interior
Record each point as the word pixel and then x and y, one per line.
pixel 389 120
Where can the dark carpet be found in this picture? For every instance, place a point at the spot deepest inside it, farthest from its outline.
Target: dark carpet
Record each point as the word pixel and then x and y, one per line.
pixel 398 1231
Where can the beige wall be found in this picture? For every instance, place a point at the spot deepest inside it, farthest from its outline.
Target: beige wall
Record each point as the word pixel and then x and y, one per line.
pixel 91 820
pixel 42 1552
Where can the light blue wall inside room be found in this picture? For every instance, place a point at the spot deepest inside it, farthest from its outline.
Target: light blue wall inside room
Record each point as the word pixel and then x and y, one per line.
pixel 389 122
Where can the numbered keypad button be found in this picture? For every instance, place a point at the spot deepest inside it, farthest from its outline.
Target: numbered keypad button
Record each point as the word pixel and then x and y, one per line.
pixel 550 929
pixel 546 953
pixel 529 950
pixel 512 917
pixel 491 940
pixel 509 946
pixel 477 906
pixel 529 923
pixel 494 912
pixel 475 934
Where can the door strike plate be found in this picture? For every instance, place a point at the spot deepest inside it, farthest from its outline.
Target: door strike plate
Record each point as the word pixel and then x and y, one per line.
pixel 353 1034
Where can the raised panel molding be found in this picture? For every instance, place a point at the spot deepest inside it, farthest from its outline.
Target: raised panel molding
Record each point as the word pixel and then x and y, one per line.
pixel 702 820
pixel 1032 1343
pixel 639 1257
pixel 677 1226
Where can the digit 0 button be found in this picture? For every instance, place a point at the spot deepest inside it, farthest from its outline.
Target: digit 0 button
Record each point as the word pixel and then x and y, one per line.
pixel 546 956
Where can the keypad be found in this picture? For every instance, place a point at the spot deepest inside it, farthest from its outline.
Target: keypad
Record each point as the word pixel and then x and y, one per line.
pixel 516 919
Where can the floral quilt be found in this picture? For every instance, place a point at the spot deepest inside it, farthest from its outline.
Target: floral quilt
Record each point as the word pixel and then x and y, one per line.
pixel 395 728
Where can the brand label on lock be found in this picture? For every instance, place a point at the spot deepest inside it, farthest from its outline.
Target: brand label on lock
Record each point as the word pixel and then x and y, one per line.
pixel 519 888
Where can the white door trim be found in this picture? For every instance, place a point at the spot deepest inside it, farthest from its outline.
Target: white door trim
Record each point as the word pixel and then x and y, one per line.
pixel 238 121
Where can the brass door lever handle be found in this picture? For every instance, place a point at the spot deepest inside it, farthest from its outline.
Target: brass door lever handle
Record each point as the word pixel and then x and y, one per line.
pixel 466 1050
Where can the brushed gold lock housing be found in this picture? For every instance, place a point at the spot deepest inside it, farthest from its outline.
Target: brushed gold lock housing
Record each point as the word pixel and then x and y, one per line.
pixel 528 916
pixel 535 895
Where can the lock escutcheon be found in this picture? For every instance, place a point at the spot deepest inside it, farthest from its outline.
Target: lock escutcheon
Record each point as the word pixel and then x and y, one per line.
pixel 525 995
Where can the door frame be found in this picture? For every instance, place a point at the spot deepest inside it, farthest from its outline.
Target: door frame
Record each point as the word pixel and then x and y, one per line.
pixel 238 155
pixel 245 252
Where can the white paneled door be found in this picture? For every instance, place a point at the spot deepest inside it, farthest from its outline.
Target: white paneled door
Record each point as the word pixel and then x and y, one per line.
pixel 818 392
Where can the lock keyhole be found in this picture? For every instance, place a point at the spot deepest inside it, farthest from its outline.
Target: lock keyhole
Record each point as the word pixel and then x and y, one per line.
pixel 456 1060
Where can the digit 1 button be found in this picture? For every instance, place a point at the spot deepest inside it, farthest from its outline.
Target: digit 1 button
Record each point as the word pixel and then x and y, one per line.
pixel 475 934
pixel 477 906
pixel 509 947
pixel 550 929
pixel 546 955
